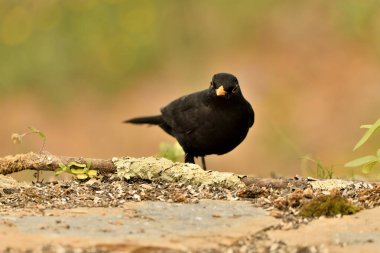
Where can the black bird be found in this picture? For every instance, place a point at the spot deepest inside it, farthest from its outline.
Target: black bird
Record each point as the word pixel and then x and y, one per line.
pixel 212 121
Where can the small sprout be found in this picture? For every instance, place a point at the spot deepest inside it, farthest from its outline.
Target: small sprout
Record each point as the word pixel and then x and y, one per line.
pixel 40 133
pixel 367 163
pixel 322 171
pixel 17 138
pixel 328 205
pixel 88 164
pixel 371 130
pixel 62 168
pixel 79 170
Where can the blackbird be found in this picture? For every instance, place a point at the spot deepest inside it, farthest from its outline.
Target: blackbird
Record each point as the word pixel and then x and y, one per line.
pixel 211 121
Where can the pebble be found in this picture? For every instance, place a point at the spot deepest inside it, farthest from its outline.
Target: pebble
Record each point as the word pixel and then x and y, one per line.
pixel 282 202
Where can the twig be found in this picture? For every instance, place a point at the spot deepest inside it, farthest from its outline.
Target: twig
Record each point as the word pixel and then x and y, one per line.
pixel 48 162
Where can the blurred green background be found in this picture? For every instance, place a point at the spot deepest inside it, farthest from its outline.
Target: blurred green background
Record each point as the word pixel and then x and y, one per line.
pixel 76 69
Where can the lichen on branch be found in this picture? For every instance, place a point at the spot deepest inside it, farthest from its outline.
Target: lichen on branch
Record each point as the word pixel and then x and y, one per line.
pixel 156 169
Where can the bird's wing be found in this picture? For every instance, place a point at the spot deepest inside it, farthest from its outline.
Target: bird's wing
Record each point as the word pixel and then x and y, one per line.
pixel 183 114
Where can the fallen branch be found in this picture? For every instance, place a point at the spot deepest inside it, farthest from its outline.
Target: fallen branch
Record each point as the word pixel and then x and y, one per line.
pixel 145 168
pixel 49 162
pixel 150 168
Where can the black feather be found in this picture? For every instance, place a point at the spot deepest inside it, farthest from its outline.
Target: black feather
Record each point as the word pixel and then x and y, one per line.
pixel 206 122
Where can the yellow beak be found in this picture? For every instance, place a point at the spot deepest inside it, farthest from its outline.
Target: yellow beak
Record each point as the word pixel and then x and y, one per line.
pixel 220 91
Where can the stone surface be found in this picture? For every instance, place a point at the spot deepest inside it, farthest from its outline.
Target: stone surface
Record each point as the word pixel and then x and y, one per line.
pixel 155 224
pixel 355 233
pixel 140 216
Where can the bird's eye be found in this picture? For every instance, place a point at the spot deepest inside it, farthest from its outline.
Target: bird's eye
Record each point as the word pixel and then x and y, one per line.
pixel 212 85
pixel 235 89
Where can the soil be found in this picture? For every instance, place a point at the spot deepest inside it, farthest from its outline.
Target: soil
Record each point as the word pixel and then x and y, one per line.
pixel 112 215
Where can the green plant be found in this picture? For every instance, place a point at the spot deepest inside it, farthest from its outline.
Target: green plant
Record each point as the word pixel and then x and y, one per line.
pixel 17 138
pixel 79 170
pixel 366 162
pixel 321 171
pixel 172 152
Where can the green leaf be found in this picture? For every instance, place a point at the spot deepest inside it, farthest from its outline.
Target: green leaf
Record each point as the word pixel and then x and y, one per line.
pixel 75 164
pixel 367 168
pixel 308 158
pixel 62 166
pixel 92 173
pixel 77 168
pixel 365 126
pixel 368 134
pixel 58 171
pixel 40 133
pixel 362 161
pixel 33 129
pixel 88 164
pixel 77 171
pixel 82 176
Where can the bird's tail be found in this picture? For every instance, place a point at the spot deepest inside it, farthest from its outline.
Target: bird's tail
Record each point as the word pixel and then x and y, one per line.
pixel 152 120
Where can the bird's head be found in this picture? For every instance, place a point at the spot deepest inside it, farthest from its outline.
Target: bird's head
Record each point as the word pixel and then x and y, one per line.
pixel 224 85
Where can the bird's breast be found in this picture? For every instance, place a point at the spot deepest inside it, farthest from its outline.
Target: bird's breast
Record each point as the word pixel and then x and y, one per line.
pixel 222 130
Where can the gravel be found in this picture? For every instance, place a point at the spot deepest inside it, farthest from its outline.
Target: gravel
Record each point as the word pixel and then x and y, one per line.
pixel 283 201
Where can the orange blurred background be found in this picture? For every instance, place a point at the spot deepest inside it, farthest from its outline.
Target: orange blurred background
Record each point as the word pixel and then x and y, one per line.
pixel 77 69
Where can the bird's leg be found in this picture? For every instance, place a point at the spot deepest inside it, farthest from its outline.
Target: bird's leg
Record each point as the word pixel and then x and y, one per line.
pixel 189 158
pixel 203 162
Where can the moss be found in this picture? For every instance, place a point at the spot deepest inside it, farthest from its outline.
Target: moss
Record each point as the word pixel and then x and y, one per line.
pixel 329 206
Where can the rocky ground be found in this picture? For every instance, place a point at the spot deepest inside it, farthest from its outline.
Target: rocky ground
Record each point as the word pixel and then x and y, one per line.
pixel 113 215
